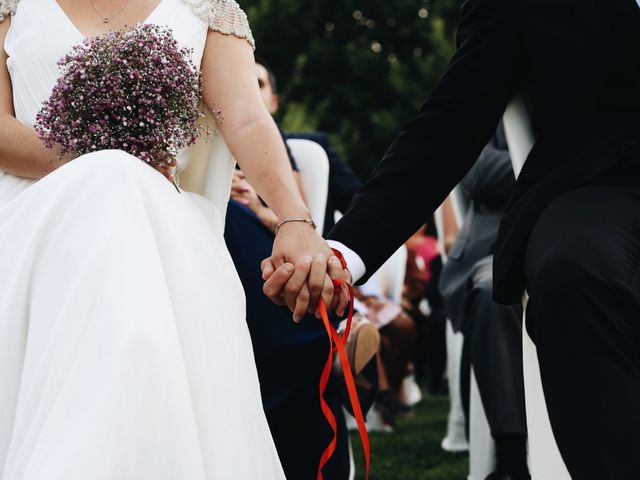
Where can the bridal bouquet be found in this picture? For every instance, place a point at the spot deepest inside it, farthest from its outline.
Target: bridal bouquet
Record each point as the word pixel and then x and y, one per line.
pixel 133 90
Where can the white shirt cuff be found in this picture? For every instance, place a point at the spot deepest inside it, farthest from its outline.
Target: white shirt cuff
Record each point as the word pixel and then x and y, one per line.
pixel 354 262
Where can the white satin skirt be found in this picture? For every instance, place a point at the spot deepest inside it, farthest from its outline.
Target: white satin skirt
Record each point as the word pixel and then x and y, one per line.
pixel 124 350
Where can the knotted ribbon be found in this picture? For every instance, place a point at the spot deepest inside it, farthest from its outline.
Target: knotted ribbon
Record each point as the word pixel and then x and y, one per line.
pixel 337 344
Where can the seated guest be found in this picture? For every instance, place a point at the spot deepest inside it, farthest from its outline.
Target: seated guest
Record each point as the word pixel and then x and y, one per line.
pixel 398 334
pixel 289 356
pixel 424 265
pixel 492 332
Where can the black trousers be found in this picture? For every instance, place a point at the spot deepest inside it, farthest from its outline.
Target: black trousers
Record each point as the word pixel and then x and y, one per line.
pixel 583 278
pixel 493 345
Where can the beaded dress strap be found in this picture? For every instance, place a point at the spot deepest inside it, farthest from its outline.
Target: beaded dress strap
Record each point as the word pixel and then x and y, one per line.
pixel 8 7
pixel 224 16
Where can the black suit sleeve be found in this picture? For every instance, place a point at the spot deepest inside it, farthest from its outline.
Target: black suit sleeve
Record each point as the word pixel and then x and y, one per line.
pixel 435 149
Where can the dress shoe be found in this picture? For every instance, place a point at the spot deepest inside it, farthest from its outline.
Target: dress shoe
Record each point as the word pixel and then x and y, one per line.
pixel 499 475
pixel 390 406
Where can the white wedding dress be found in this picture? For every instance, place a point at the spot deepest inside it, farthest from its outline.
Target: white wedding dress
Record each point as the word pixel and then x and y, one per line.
pixel 124 350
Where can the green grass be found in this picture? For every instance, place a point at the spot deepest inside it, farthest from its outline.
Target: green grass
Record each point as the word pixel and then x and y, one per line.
pixel 412 451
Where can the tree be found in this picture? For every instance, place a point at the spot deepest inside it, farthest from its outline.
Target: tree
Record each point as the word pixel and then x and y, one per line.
pixel 355 69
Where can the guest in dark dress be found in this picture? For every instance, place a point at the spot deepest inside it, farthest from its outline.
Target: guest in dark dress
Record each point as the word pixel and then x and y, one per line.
pixel 289 356
pixel 289 359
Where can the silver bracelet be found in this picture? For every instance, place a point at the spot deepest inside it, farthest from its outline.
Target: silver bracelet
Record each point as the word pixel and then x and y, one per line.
pixel 291 220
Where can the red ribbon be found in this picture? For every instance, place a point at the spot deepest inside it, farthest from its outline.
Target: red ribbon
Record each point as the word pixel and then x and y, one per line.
pixel 337 343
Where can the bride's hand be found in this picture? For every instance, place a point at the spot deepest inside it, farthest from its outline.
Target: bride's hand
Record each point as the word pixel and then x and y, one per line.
pixel 166 167
pixel 167 171
pixel 57 159
pixel 301 269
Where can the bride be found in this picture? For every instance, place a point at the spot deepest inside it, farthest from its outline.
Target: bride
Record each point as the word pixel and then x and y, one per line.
pixel 124 352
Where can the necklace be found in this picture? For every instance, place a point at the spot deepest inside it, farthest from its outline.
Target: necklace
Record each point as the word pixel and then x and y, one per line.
pixel 107 18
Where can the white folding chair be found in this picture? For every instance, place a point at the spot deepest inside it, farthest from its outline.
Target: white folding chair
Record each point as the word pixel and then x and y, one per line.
pixel 313 164
pixel 455 439
pixel 460 206
pixel 209 161
pixel 481 443
pixel 545 461
pixel 390 276
pixel 206 168
pixel 352 463
pixel 482 448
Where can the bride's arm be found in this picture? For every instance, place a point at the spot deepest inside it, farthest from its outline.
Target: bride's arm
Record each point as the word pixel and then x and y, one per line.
pixel 21 151
pixel 231 87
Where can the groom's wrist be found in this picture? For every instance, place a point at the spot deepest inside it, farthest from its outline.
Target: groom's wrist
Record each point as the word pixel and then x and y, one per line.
pixel 355 265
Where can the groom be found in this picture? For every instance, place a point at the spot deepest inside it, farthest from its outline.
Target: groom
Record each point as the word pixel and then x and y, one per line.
pixel 571 231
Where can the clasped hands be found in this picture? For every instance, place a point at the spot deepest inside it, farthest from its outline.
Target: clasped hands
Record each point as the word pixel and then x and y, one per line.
pixel 301 271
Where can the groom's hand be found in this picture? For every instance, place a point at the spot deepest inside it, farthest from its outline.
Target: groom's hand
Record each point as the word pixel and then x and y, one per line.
pixel 337 272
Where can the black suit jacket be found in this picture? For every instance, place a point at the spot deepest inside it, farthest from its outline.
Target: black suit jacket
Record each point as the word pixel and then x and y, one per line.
pixel 488 186
pixel 343 183
pixel 578 62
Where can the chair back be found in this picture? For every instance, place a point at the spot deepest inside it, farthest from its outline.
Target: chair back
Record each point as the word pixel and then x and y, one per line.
pixel 460 205
pixel 206 168
pixel 460 208
pixel 313 164
pixel 545 460
pixel 390 277
pixel 519 132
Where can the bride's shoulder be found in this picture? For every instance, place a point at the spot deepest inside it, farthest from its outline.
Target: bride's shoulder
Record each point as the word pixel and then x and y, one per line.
pixel 224 16
pixel 7 7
